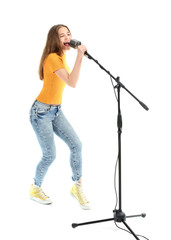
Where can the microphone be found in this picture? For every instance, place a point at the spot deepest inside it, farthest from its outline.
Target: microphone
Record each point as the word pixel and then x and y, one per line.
pixel 75 43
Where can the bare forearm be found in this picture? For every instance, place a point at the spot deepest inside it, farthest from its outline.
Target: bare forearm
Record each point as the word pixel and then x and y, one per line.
pixel 74 75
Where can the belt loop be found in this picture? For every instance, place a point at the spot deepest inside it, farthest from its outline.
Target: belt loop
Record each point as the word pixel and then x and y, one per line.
pixel 58 107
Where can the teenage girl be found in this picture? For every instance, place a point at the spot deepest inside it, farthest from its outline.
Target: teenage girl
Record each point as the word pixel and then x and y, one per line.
pixel 46 113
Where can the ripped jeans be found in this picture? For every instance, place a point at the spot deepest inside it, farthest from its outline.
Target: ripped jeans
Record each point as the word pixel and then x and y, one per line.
pixel 49 119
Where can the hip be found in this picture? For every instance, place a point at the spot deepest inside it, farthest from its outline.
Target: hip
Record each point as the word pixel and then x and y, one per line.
pixel 44 111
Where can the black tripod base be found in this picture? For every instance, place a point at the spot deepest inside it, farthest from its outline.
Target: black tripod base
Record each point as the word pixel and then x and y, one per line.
pixel 119 216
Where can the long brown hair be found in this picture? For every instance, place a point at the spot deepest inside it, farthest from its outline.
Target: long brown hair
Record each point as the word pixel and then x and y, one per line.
pixel 52 46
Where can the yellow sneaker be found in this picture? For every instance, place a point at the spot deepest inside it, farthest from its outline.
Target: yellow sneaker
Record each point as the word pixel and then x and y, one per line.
pixel 77 192
pixel 37 194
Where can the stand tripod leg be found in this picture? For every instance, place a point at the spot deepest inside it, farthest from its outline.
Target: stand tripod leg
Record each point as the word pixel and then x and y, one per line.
pixel 74 225
pixel 130 230
pixel 140 215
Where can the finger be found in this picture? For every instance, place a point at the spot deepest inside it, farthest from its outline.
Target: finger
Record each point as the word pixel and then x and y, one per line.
pixel 82 48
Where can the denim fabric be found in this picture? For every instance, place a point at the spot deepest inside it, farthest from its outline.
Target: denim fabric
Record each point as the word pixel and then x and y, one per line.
pixel 49 119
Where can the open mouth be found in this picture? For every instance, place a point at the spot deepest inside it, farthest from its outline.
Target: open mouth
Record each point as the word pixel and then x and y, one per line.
pixel 67 44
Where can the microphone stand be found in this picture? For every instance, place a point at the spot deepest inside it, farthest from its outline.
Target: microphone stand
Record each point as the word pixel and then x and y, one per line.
pixel 119 215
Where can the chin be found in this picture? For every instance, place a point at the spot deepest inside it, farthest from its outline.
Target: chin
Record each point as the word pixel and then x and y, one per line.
pixel 67 48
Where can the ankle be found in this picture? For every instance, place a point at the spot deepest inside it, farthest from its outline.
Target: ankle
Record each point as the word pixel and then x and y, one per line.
pixel 79 182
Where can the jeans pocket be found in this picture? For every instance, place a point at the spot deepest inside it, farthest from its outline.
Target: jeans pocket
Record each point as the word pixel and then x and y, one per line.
pixel 41 112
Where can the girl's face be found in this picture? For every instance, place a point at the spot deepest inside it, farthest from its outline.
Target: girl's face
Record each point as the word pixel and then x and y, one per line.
pixel 65 38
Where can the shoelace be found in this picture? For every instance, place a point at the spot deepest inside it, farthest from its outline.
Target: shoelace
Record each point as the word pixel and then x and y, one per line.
pixel 42 194
pixel 80 195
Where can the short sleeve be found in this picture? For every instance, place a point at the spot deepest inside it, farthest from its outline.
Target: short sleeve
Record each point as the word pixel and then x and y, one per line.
pixel 54 62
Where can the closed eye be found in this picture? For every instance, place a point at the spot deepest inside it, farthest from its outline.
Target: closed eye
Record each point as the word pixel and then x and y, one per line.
pixel 63 35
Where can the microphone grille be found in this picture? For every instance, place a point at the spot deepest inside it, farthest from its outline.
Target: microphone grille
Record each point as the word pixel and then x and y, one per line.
pixel 74 43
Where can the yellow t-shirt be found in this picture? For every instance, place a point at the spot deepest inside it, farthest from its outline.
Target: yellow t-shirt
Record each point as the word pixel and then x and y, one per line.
pixel 53 86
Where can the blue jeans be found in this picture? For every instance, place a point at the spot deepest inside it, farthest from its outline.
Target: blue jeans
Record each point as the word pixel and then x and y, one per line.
pixel 49 119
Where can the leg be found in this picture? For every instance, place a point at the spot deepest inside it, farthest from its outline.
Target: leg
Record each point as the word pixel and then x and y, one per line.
pixel 64 130
pixel 42 125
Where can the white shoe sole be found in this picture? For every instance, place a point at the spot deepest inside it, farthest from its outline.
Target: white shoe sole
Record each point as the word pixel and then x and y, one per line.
pixel 45 202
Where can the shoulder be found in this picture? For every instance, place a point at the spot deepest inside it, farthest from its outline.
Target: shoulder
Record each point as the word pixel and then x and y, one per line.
pixel 53 62
pixel 54 56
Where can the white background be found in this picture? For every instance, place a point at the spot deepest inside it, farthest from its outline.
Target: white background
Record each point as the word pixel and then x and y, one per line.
pixel 132 40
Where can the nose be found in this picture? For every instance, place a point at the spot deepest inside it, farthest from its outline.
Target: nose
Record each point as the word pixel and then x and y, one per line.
pixel 67 39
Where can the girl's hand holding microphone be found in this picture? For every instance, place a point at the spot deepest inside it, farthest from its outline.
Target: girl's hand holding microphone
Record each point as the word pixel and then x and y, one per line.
pixel 81 49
